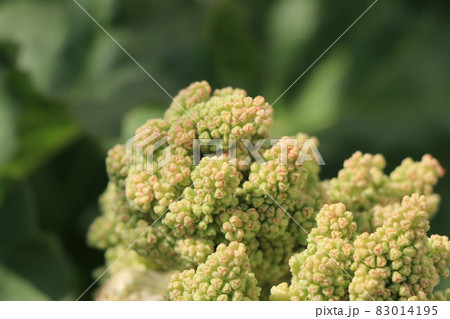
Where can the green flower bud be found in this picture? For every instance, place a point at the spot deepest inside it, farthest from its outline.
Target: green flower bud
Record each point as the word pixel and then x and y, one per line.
pixel 117 165
pixel 417 177
pixel 409 268
pixel 226 275
pixel 194 251
pixel 358 183
pixel 321 272
pixel 139 190
pixel 238 225
pixel 186 99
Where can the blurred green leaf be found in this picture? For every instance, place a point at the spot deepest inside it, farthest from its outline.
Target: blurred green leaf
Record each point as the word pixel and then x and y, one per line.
pixel 16 288
pixel 36 256
pixel 316 105
pixel 234 51
pixel 40 30
pixel 34 127
pixel 291 25
pixel 35 148
pixel 7 134
pixel 43 262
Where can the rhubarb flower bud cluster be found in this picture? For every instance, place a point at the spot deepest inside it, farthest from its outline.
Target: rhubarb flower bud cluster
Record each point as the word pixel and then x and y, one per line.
pixel 366 191
pixel 225 275
pixel 398 261
pixel 320 272
pixel 242 212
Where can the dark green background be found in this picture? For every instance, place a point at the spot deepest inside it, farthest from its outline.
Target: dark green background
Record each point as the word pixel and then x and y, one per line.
pixel 68 93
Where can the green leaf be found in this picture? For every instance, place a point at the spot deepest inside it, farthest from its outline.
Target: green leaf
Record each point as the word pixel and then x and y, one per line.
pixel 316 104
pixel 7 129
pixel 37 146
pixel 33 127
pixel 40 30
pixel 16 288
pixel 291 25
pixel 36 256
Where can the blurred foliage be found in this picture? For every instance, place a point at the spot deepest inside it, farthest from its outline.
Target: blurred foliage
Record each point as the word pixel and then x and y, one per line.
pixel 67 93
